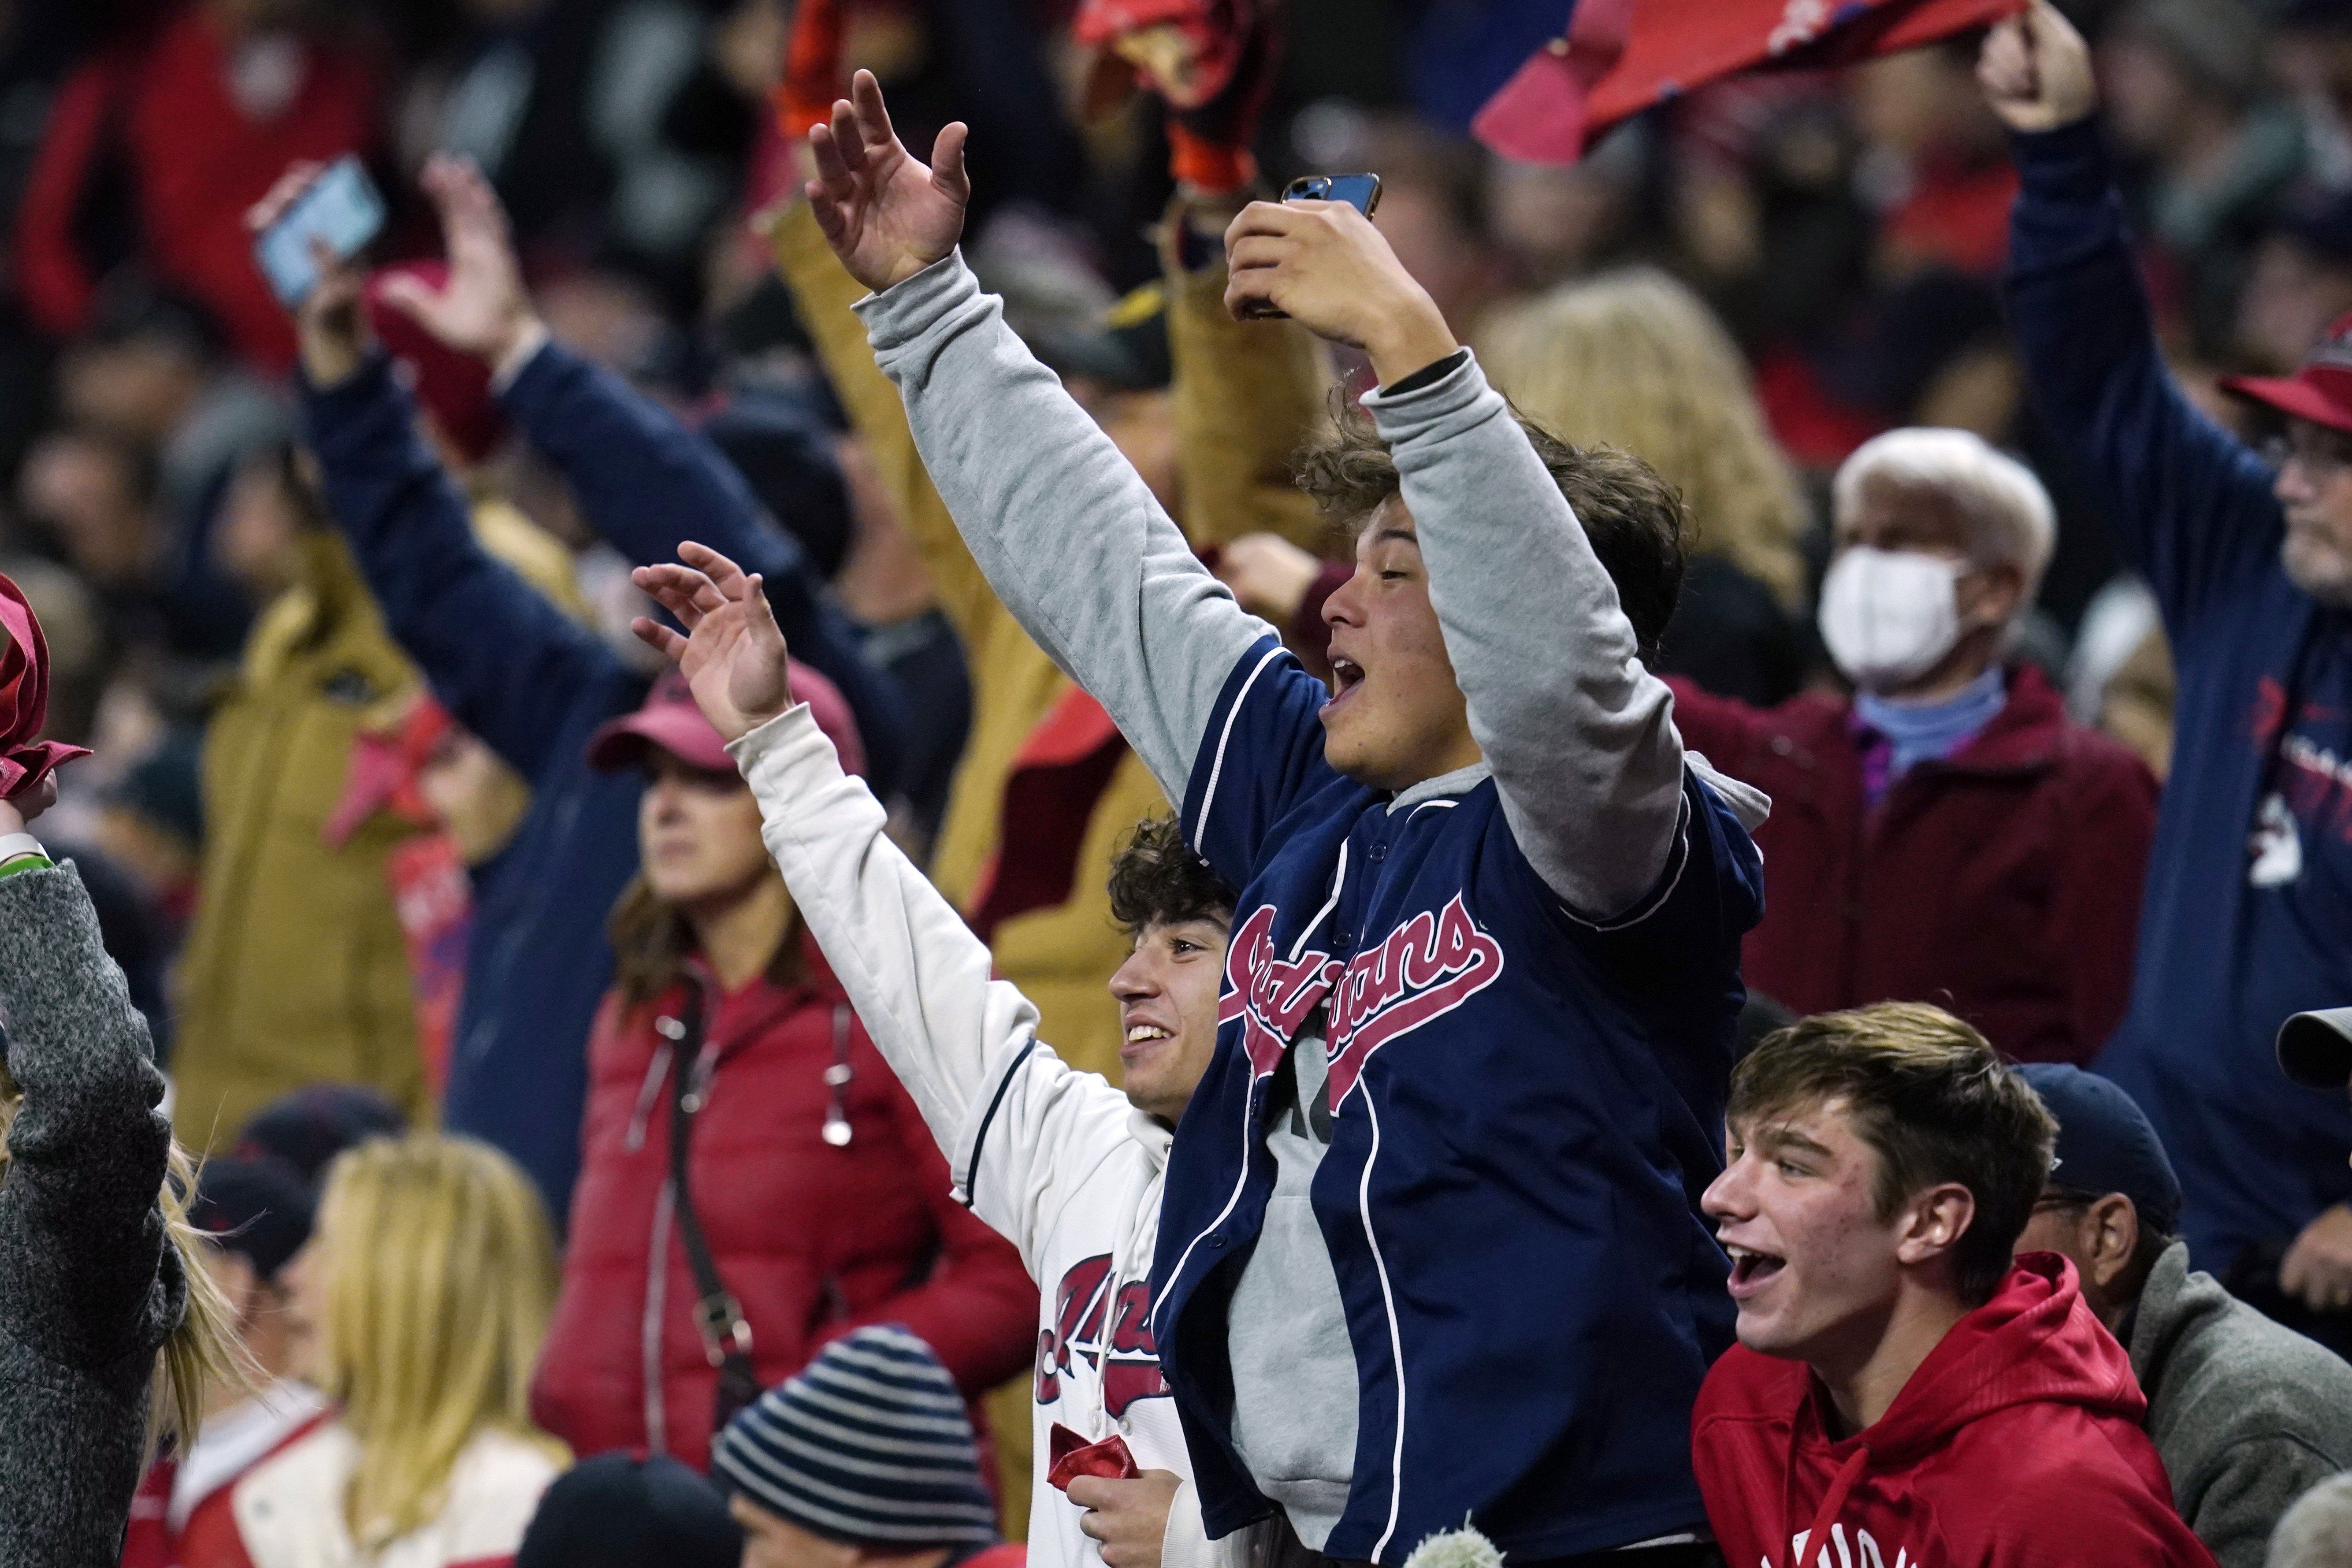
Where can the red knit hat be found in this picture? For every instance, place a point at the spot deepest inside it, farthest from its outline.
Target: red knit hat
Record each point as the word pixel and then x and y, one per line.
pixel 454 387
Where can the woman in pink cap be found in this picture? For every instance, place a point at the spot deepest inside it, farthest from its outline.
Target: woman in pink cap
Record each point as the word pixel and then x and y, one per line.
pixel 813 1201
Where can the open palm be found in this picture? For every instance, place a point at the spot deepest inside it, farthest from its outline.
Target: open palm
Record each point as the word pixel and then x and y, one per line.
pixel 733 655
pixel 482 309
pixel 884 215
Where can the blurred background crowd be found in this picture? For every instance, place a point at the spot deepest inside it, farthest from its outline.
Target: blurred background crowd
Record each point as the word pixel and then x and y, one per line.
pixel 290 842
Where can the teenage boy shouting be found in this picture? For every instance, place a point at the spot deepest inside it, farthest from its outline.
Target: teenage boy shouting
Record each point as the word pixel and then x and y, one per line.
pixel 1430 1244
pixel 1059 1163
pixel 1900 1395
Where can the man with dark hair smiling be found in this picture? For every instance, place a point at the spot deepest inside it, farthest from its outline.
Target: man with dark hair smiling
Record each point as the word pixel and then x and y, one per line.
pixel 1900 1395
pixel 1058 1162
pixel 1436 1195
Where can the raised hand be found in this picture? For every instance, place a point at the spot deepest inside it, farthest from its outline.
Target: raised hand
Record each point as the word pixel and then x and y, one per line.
pixel 884 215
pixel 733 655
pixel 330 326
pixel 2035 70
pixel 1326 265
pixel 17 812
pixel 483 309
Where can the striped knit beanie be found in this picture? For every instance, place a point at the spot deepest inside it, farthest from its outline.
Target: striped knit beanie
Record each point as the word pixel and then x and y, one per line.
pixel 868 1444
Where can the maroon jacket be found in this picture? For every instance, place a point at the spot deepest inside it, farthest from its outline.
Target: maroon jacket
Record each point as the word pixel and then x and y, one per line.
pixel 2003 882
pixel 814 1240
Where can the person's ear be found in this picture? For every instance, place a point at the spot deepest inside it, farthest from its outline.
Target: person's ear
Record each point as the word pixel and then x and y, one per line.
pixel 1933 1222
pixel 1993 592
pixel 2111 1231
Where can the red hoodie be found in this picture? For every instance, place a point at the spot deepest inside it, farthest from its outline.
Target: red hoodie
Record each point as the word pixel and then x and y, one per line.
pixel 2017 1443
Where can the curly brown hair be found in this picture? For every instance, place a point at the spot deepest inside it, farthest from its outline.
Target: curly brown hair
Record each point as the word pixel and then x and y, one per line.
pixel 1636 521
pixel 1156 880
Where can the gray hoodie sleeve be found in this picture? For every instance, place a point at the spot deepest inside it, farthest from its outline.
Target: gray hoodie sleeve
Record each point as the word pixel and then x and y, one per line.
pixel 79 1209
pixel 1066 530
pixel 1580 736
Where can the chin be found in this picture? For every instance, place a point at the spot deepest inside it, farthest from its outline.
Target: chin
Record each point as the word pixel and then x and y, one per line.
pixel 2318 568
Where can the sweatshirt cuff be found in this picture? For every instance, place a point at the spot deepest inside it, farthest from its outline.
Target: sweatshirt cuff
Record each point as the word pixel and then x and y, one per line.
pixel 1446 406
pixel 786 756
pixel 2069 164
pixel 904 311
pixel 1185 1543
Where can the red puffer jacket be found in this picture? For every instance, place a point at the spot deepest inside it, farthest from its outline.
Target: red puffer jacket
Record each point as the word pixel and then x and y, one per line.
pixel 813 1239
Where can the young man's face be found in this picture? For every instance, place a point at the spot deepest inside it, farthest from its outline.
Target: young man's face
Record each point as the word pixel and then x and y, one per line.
pixel 1814 1270
pixel 1167 992
pixel 1396 716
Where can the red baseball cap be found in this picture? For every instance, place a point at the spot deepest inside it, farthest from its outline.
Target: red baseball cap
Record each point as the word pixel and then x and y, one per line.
pixel 2320 392
pixel 670 720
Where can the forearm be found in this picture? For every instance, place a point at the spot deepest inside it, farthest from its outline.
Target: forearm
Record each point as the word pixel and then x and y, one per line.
pixel 918 977
pixel 87 1148
pixel 1066 532
pixel 1578 734
pixel 494 650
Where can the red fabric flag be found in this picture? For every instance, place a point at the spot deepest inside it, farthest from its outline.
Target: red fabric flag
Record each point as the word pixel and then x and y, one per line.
pixel 1621 56
pixel 25 699
pixel 1072 1456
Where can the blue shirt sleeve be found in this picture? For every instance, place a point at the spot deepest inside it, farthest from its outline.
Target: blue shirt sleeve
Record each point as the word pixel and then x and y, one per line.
pixel 648 483
pixel 1261 754
pixel 499 657
pixel 2190 506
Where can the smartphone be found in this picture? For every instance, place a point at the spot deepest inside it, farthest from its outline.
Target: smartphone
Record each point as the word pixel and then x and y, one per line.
pixel 340 206
pixel 1361 191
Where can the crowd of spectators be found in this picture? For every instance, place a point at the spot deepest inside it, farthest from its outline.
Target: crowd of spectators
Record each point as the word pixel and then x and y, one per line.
pixel 1928 589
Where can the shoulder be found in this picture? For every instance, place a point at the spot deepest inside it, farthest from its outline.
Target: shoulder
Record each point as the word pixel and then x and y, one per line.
pixel 2064 1469
pixel 2235 1375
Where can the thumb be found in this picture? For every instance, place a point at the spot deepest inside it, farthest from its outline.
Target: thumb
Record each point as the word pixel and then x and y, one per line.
pixel 948 172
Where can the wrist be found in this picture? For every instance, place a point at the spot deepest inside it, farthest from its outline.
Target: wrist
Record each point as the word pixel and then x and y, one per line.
pixel 328 363
pixel 508 357
pixel 1415 341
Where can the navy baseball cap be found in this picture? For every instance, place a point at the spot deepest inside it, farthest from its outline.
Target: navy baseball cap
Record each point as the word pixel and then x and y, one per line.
pixel 2105 1144
pixel 307 1128
pixel 260 1209
pixel 2315 1048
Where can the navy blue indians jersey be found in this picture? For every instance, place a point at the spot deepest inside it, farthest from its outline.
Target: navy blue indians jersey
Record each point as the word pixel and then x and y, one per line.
pixel 1527 1105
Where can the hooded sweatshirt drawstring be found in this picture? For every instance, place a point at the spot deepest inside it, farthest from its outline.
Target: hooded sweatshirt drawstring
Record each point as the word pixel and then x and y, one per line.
pixel 1831 1501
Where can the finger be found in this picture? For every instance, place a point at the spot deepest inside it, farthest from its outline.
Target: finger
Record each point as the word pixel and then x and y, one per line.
pixel 849 138
pixel 1260 217
pixel 659 637
pixel 406 293
pixel 1248 290
pixel 873 114
pixel 682 600
pixel 833 174
pixel 685 586
pixel 763 622
pixel 1092 1523
pixel 280 196
pixel 1254 250
pixel 720 570
pixel 948 172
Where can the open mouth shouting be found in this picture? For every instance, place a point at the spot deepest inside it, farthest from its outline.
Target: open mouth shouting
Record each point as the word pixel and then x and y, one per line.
pixel 1346 676
pixel 1751 1270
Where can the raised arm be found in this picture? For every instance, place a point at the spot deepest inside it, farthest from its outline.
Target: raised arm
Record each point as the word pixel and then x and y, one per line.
pixel 643 480
pixel 1014 1122
pixel 1579 735
pixel 498 656
pixel 2190 506
pixel 1067 533
pixel 79 1217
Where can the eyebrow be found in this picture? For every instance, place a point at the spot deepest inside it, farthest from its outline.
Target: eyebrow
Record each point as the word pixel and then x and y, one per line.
pixel 1781 1137
pixel 1388 531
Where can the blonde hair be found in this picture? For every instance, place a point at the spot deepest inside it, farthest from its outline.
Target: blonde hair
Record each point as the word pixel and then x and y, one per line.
pixel 203 1348
pixel 1634 360
pixel 439 1273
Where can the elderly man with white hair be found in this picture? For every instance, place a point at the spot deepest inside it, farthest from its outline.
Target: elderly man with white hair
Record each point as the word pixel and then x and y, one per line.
pixel 1943 834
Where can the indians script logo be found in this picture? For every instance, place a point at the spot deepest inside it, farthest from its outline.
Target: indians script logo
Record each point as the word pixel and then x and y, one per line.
pixel 1838 1551
pixel 1427 967
pixel 1086 1309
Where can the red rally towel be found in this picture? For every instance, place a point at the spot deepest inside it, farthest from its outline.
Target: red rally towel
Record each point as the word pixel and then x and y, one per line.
pixel 1617 58
pixel 1072 1456
pixel 25 699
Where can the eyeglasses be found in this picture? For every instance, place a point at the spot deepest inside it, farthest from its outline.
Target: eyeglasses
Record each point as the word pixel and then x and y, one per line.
pixel 2324 458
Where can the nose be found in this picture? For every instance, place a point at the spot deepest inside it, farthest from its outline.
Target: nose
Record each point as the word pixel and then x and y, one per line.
pixel 1134 982
pixel 1728 1197
pixel 2291 484
pixel 1345 606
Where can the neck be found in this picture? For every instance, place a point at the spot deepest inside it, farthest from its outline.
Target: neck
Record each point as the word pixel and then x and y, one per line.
pixel 1960 668
pixel 1863 1388
pixel 738 936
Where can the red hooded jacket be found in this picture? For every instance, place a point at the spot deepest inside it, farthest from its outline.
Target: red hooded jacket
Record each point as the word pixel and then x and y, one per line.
pixel 2017 1444
pixel 2003 882
pixel 814 1239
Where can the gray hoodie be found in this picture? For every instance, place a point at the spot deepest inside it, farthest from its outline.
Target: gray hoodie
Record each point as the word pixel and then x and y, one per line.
pixel 90 1286
pixel 2247 1415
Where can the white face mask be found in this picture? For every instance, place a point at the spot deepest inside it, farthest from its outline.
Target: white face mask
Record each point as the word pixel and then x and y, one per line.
pixel 1889 616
